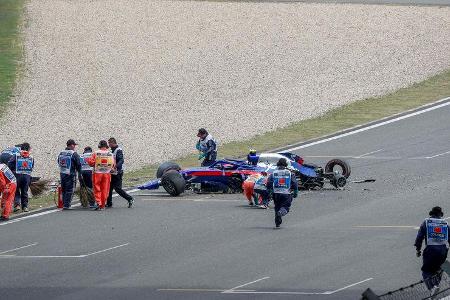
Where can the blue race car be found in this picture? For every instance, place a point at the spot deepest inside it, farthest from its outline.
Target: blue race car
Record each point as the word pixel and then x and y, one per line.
pixel 227 175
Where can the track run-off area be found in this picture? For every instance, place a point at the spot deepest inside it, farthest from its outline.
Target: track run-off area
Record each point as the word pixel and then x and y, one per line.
pixel 333 244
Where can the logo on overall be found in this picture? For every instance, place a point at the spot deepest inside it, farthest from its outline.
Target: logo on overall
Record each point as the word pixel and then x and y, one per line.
pixel 282 181
pixel 24 164
pixel 437 230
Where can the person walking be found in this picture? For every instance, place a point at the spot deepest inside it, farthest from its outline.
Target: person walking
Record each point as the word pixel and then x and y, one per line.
pixel 103 162
pixel 117 174
pixel 207 146
pixel 8 191
pixel 22 164
pixel 434 230
pixel 284 186
pixel 69 166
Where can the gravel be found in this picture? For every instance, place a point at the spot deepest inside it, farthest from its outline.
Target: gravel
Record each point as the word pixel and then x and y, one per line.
pixel 150 73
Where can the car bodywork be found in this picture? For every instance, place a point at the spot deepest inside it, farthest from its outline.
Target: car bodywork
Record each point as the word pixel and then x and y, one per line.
pixel 227 175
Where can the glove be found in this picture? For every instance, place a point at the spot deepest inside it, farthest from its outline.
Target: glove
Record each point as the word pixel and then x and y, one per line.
pixel 295 194
pixel 201 156
pixel 418 253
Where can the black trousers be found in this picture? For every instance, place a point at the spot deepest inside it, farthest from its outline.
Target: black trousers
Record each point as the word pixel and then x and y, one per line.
pixel 433 258
pixel 282 205
pixel 87 178
pixel 116 185
pixel 68 184
pixel 23 184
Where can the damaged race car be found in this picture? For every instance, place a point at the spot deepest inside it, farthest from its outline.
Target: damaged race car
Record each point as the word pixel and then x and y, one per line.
pixel 309 176
pixel 228 175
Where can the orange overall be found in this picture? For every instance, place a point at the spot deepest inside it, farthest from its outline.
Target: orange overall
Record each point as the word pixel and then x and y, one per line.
pixel 7 189
pixel 103 162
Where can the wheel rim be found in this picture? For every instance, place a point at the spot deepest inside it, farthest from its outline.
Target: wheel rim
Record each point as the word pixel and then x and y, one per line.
pixel 170 188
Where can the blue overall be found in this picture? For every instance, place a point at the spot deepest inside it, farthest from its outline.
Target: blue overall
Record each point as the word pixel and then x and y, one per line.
pixel 22 168
pixel 435 234
pixel 6 154
pixel 69 164
pixel 208 146
pixel 281 182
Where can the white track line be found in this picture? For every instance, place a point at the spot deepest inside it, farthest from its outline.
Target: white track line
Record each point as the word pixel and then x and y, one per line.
pixel 416 113
pixel 437 155
pixel 63 256
pixel 15 249
pixel 109 249
pixel 49 212
pixel 198 290
pixel 348 286
pixel 368 153
pixel 301 293
pixel 245 284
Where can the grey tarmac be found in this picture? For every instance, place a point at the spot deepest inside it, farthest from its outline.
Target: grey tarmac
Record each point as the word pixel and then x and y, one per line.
pixel 333 244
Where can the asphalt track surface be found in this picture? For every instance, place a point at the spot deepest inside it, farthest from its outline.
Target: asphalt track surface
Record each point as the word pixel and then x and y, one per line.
pixel 333 244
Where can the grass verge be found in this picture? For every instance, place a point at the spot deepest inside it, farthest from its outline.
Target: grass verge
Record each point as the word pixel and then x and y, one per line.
pixel 357 113
pixel 10 47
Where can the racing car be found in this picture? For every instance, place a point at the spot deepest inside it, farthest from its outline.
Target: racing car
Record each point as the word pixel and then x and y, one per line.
pixel 228 175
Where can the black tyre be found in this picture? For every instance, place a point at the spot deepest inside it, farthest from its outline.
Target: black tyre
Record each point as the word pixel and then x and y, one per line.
pixel 339 181
pixel 164 167
pixel 339 163
pixel 173 183
pixel 235 184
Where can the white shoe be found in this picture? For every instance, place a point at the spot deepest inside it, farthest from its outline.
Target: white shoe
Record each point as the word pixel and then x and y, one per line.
pixel 434 291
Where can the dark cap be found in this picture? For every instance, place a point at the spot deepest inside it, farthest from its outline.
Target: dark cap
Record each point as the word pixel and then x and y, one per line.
pixel 87 149
pixel 202 131
pixel 282 163
pixel 25 146
pixel 436 211
pixel 71 142
pixel 103 144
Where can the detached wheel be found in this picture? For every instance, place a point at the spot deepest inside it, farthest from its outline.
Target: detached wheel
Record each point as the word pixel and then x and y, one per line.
pixel 173 183
pixel 338 165
pixel 339 181
pixel 164 167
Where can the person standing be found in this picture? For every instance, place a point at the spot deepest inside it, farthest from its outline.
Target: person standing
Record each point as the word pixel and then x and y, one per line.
pixel 103 162
pixel 86 172
pixel 207 147
pixel 22 164
pixel 69 165
pixel 284 186
pixel 9 152
pixel 434 230
pixel 117 174
pixel 8 191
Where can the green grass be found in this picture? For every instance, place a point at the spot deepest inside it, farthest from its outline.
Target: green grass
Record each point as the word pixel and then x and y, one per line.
pixel 357 113
pixel 10 47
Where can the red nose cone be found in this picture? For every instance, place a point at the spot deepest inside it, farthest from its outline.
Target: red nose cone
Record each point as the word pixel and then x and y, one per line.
pixel 437 230
pixel 104 161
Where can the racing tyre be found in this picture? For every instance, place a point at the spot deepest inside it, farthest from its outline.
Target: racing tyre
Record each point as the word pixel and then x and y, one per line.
pixel 235 185
pixel 173 183
pixel 339 181
pixel 164 167
pixel 345 167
